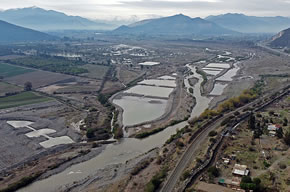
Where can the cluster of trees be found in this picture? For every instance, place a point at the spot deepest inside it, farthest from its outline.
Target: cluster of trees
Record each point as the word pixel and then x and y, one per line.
pixel 248 184
pixel 260 126
pixel 95 131
pixel 231 104
pixel 54 64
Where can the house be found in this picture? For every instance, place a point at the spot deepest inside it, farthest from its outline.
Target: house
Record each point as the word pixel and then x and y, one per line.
pixel 233 183
pixel 240 170
pixel 226 161
pixel 273 127
pixel 272 133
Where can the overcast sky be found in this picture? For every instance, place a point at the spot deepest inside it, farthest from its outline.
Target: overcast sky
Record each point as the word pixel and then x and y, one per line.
pixel 100 9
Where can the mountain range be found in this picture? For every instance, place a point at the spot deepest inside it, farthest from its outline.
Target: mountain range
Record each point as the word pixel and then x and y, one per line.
pixel 282 39
pixel 177 25
pixel 251 24
pixel 12 33
pixel 49 20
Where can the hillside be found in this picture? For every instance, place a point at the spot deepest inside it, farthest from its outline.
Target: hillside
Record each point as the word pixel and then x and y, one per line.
pixel 177 25
pixel 282 39
pixel 251 24
pixel 48 20
pixel 12 33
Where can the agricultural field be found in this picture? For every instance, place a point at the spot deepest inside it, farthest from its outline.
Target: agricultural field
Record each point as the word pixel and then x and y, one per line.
pixel 53 64
pixel 40 78
pixel 127 76
pixel 95 71
pixel 21 99
pixel 7 70
pixel 8 88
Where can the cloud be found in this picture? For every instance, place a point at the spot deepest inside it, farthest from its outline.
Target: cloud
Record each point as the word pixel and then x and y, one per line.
pixel 126 8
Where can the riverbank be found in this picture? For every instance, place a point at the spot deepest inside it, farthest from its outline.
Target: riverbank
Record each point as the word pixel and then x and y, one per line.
pixel 179 105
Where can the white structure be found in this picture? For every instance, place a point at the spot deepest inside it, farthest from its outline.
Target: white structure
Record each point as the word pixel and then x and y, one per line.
pixel 241 170
pixel 272 127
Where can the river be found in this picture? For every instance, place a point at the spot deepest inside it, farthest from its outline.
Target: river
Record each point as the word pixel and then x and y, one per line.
pixel 119 152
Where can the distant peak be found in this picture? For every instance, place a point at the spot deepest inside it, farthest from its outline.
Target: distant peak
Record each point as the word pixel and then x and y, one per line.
pixel 180 15
pixel 34 7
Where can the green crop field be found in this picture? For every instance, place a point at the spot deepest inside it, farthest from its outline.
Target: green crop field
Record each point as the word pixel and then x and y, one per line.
pixel 8 88
pixel 21 99
pixel 10 70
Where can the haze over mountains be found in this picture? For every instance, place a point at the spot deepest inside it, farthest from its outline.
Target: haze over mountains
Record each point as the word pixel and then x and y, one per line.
pixel 12 33
pixel 251 24
pixel 49 20
pixel 177 25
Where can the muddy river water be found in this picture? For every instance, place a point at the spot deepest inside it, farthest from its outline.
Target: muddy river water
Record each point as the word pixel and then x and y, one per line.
pixel 119 152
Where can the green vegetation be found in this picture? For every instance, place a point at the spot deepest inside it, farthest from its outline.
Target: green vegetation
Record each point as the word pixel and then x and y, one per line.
pixel 54 64
pixel 178 134
pixel 21 183
pixel 90 133
pixel 204 76
pixel 152 132
pixel 247 96
pixel 190 90
pixel 287 138
pixel 248 184
pixel 212 133
pixel 27 86
pixel 7 89
pixel 21 99
pixel 156 181
pixel 185 175
pixel 213 171
pixel 140 167
pixel 7 70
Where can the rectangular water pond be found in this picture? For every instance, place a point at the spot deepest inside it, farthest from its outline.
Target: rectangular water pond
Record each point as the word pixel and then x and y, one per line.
pixel 150 91
pixel 158 82
pixel 139 109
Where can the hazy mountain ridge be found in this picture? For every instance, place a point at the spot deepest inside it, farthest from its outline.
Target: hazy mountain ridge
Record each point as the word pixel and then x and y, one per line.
pixel 179 25
pixel 13 33
pixel 251 24
pixel 46 20
pixel 282 39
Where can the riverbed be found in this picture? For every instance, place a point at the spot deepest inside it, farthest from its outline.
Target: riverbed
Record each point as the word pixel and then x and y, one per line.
pixel 120 152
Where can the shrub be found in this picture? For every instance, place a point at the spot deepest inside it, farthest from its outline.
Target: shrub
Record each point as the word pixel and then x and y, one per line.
pixel 287 138
pixel 90 133
pixel 156 180
pixel 186 174
pixel 214 171
pixel 212 133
